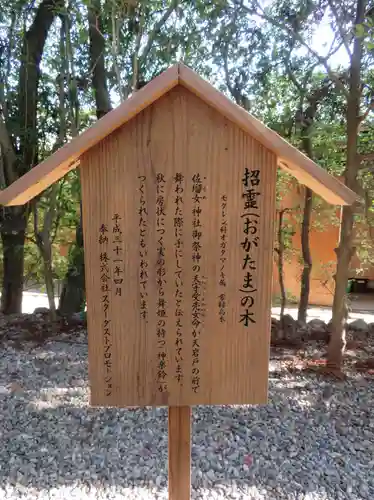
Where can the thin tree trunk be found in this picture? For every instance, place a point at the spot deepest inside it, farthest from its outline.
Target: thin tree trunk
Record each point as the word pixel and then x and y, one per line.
pixel 50 287
pixel 346 249
pixel 307 121
pixel 307 215
pixel 72 297
pixel 13 263
pixel 44 244
pixel 307 257
pixel 344 255
pixel 280 253
pixel 307 218
pixel 73 293
pixel 48 277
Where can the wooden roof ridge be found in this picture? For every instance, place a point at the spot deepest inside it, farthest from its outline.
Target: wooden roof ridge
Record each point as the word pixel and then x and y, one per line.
pixel 67 157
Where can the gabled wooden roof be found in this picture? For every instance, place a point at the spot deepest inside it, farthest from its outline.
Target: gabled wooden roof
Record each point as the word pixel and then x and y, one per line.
pixel 65 159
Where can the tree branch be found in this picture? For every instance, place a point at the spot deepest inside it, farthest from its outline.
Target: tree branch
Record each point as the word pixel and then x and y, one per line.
pixel 340 27
pixel 292 77
pixel 366 157
pixel 36 225
pixel 135 56
pixel 367 112
pixel 224 52
pixel 8 153
pixel 294 34
pixel 10 49
pixel 59 212
pixel 50 212
pixel 173 5
pixel 115 52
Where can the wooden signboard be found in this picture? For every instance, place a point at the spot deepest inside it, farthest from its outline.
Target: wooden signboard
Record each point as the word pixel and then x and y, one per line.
pixel 178 191
pixel 178 229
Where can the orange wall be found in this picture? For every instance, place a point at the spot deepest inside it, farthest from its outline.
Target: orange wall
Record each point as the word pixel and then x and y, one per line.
pixel 323 258
pixel 323 241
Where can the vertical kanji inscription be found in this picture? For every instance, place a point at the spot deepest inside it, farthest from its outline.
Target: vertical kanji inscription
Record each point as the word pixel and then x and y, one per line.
pixel 117 270
pixel 161 306
pixel 105 286
pixel 143 250
pixel 198 280
pixel 222 301
pixel 250 241
pixel 178 278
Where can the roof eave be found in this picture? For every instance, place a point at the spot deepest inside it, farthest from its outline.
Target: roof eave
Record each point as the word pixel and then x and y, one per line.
pixel 65 159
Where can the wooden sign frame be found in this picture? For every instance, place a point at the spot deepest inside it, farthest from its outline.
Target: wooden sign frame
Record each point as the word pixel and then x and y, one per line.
pixel 174 349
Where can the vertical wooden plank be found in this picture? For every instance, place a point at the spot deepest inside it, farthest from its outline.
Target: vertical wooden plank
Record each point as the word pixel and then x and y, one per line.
pixel 179 452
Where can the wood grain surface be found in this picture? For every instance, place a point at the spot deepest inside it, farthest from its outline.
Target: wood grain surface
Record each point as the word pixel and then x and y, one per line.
pixel 179 463
pixel 178 134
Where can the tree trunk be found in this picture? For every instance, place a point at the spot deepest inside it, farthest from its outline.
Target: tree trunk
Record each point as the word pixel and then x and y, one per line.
pixel 307 258
pixel 73 292
pixel 48 277
pixel 307 217
pixel 13 262
pixel 344 254
pixel 280 252
pixel 97 51
pixel 346 249
pixel 306 142
pixel 32 51
pixel 45 248
pixel 31 56
pixel 314 100
pixel 72 297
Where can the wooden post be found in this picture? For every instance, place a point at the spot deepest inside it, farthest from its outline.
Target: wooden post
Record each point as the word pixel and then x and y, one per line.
pixel 179 452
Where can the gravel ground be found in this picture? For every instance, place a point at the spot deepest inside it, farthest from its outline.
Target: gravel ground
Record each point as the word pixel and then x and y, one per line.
pixel 315 439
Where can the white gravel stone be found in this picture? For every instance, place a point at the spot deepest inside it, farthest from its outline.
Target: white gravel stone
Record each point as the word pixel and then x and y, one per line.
pixel 300 446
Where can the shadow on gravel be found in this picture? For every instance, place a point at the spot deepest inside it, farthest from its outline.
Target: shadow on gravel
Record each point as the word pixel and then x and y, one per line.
pixel 50 369
pixel 297 444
